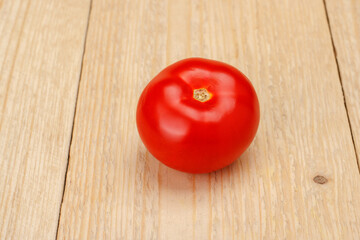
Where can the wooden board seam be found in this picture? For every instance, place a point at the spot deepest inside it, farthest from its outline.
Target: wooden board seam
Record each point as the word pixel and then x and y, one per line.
pixel 341 83
pixel 74 115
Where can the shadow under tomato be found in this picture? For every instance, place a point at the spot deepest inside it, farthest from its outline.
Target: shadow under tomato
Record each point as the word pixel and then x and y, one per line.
pixel 159 177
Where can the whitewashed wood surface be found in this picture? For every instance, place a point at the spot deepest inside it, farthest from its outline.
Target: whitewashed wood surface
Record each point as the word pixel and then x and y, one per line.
pixel 72 165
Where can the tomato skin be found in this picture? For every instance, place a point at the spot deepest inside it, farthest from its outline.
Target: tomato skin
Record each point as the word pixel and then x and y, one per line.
pixel 193 136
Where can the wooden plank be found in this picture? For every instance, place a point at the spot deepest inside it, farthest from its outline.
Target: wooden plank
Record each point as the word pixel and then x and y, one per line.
pixel 344 18
pixel 41 48
pixel 116 189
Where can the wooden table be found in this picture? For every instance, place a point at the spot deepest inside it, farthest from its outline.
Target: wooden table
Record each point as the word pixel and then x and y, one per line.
pixel 72 165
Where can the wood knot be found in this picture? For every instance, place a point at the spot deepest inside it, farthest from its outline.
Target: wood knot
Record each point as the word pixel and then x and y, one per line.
pixel 320 179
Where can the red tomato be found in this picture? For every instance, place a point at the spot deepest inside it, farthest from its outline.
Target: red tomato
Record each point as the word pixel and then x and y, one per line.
pixel 198 115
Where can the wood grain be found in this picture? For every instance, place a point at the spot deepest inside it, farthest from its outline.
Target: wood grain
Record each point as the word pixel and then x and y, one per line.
pixel 116 190
pixel 41 45
pixel 344 18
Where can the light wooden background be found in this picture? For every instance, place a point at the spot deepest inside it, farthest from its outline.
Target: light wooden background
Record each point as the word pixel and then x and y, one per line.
pixel 72 165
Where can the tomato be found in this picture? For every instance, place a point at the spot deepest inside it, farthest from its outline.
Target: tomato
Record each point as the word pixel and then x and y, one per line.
pixel 198 115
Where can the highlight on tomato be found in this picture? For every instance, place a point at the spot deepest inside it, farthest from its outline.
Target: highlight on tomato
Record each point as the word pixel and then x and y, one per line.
pixel 198 115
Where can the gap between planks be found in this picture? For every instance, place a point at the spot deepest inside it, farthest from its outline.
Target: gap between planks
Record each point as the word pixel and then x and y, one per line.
pixel 73 123
pixel 341 84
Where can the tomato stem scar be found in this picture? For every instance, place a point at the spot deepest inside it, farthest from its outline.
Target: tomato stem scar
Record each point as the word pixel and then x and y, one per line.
pixel 201 94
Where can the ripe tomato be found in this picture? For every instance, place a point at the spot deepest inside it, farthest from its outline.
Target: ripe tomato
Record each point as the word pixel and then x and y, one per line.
pixel 198 115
